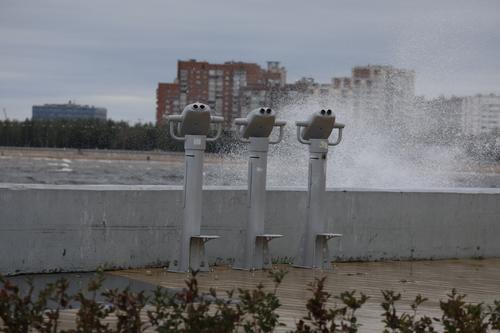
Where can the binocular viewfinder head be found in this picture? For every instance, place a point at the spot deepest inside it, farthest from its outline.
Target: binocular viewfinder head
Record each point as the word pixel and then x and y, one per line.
pixel 319 125
pixel 259 123
pixel 195 119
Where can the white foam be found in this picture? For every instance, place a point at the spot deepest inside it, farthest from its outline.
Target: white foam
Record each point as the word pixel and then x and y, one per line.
pixel 371 154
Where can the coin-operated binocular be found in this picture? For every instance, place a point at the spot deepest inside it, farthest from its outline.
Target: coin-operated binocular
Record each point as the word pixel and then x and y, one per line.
pixel 192 126
pixel 256 129
pixel 315 132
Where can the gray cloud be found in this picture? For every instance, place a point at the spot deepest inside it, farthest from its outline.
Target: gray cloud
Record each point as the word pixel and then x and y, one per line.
pixel 113 53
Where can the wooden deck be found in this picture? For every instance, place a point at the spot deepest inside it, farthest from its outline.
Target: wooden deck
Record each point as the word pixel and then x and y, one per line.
pixel 479 279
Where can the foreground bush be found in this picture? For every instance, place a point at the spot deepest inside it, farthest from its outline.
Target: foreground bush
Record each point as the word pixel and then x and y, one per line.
pixel 249 311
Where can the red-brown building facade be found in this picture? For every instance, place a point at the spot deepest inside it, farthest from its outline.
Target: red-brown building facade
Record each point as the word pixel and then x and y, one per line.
pixel 230 89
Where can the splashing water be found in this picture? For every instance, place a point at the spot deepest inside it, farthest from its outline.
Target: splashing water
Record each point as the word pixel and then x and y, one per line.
pixel 372 154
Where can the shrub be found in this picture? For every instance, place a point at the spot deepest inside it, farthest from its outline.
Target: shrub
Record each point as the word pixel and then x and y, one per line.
pixel 255 310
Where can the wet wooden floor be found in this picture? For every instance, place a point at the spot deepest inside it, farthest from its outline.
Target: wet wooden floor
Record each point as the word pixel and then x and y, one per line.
pixel 479 279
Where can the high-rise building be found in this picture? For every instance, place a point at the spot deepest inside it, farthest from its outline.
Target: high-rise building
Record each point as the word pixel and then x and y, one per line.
pixel 481 114
pixel 343 93
pixel 383 92
pixel 167 100
pixel 444 115
pixel 69 110
pixel 231 89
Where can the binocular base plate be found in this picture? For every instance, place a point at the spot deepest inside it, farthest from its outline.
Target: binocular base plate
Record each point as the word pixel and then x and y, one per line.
pixel 269 237
pixel 328 235
pixel 206 238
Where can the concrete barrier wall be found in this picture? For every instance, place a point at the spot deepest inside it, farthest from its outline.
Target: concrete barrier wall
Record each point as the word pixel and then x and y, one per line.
pixel 77 228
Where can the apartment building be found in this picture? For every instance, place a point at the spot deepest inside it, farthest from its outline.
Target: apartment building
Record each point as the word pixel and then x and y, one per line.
pixel 231 89
pixel 376 91
pixel 481 114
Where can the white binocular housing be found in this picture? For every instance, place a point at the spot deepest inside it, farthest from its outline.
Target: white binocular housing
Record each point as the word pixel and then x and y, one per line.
pixel 319 126
pixel 195 119
pixel 259 123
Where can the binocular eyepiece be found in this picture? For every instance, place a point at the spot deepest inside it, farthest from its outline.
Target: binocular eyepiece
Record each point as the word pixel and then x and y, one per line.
pixel 198 105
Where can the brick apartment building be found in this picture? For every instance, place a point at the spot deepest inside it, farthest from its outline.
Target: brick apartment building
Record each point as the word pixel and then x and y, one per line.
pixel 231 89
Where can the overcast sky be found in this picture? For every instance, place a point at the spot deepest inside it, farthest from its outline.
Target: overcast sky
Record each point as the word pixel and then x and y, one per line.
pixel 114 53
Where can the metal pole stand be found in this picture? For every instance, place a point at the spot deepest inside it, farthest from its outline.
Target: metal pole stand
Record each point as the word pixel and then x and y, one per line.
pixel 255 130
pixel 192 126
pixel 313 250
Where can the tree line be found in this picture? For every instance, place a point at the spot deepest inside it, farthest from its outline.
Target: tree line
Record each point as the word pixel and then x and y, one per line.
pixel 95 134
pixel 120 135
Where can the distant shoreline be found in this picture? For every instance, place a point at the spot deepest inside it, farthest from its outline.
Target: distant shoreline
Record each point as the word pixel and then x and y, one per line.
pixel 483 167
pixel 96 154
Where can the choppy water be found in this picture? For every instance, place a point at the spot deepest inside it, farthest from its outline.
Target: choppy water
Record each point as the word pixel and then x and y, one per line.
pixel 405 151
pixel 36 170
